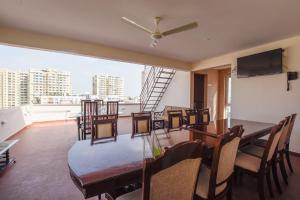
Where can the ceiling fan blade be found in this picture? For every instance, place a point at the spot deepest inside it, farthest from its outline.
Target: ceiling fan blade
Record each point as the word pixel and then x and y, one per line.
pixel 136 25
pixel 180 29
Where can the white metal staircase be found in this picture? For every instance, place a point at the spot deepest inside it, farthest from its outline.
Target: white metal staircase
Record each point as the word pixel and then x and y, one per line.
pixel 155 85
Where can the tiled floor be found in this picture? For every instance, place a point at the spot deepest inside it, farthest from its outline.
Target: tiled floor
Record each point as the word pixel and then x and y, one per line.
pixel 41 171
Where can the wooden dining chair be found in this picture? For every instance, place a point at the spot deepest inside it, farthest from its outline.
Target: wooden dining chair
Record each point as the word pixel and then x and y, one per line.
pixel 112 108
pixel 173 175
pixel 174 120
pixel 258 147
pixel 89 109
pixel 100 106
pixel 287 143
pixel 78 127
pixel 260 167
pixel 141 123
pixel 191 117
pixel 203 116
pixel 215 182
pixel 104 127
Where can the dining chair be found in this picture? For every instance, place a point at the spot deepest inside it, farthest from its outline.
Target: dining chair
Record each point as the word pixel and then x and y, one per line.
pixel 100 106
pixel 215 181
pixel 191 117
pixel 78 127
pixel 173 175
pixel 257 149
pixel 282 152
pixel 287 143
pixel 174 120
pixel 104 127
pixel 203 116
pixel 260 167
pixel 89 109
pixel 112 108
pixel 141 123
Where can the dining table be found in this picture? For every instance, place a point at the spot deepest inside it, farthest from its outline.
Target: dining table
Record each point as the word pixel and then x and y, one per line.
pixel 106 166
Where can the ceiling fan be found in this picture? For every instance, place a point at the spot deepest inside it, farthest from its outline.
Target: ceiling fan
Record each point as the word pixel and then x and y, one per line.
pixel 156 34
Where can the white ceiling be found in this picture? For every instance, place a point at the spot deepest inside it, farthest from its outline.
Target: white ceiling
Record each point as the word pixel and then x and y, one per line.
pixel 224 25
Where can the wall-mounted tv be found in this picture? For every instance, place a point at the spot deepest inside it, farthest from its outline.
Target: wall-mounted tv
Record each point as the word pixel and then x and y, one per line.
pixel 265 63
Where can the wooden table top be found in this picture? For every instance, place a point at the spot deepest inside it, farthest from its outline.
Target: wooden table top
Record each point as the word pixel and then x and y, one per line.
pixel 94 167
pixel 103 160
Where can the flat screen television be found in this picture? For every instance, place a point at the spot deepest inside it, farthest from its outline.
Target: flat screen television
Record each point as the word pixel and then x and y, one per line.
pixel 265 63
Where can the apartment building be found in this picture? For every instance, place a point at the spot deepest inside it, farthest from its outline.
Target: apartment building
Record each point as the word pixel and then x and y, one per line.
pixel 19 88
pixel 48 82
pixel 108 87
pixel 24 87
pixel 9 88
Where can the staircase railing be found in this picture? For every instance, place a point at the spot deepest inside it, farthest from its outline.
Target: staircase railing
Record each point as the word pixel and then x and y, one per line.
pixel 150 84
pixel 147 86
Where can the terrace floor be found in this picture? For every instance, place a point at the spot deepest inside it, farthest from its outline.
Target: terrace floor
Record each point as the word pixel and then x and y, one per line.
pixel 41 171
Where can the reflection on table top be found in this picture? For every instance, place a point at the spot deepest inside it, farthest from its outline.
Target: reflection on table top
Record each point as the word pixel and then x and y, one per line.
pixel 91 163
pixel 109 158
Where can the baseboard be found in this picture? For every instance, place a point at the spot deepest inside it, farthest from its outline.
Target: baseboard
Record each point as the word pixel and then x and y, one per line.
pixel 295 154
pixel 54 121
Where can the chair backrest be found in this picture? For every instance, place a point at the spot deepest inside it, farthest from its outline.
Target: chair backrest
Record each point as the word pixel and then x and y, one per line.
pixel 112 107
pixel 89 109
pixel 191 116
pixel 104 127
pixel 174 174
pixel 291 126
pixel 272 144
pixel 204 116
pixel 284 133
pixel 141 123
pixel 175 118
pixel 223 158
pixel 100 105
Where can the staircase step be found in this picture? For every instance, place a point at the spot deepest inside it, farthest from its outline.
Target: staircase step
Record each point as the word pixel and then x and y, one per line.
pixel 162 82
pixel 163 77
pixel 167 72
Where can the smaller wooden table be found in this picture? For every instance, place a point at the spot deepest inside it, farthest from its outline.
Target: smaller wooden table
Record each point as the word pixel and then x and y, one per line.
pixel 5 159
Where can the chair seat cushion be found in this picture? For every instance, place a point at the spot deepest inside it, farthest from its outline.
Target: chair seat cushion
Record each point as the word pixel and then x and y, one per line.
pixel 135 195
pixel 248 162
pixel 203 183
pixel 253 150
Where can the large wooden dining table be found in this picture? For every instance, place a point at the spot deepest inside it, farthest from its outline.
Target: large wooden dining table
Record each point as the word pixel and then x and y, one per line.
pixel 106 166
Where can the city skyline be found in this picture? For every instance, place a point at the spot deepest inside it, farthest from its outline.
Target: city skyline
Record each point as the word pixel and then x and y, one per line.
pixel 82 68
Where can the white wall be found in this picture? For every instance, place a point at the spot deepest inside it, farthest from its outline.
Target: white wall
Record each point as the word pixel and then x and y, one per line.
pixel 264 98
pixel 13 120
pixel 178 92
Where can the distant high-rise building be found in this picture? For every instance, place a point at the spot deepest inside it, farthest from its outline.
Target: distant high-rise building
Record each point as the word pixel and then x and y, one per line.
pixel 9 88
pixel 19 88
pixel 24 87
pixel 48 82
pixel 108 87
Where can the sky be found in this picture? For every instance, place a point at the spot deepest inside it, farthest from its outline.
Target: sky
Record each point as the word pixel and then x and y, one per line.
pixel 82 68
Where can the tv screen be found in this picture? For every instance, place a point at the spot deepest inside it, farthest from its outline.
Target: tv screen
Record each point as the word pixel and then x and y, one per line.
pixel 269 62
